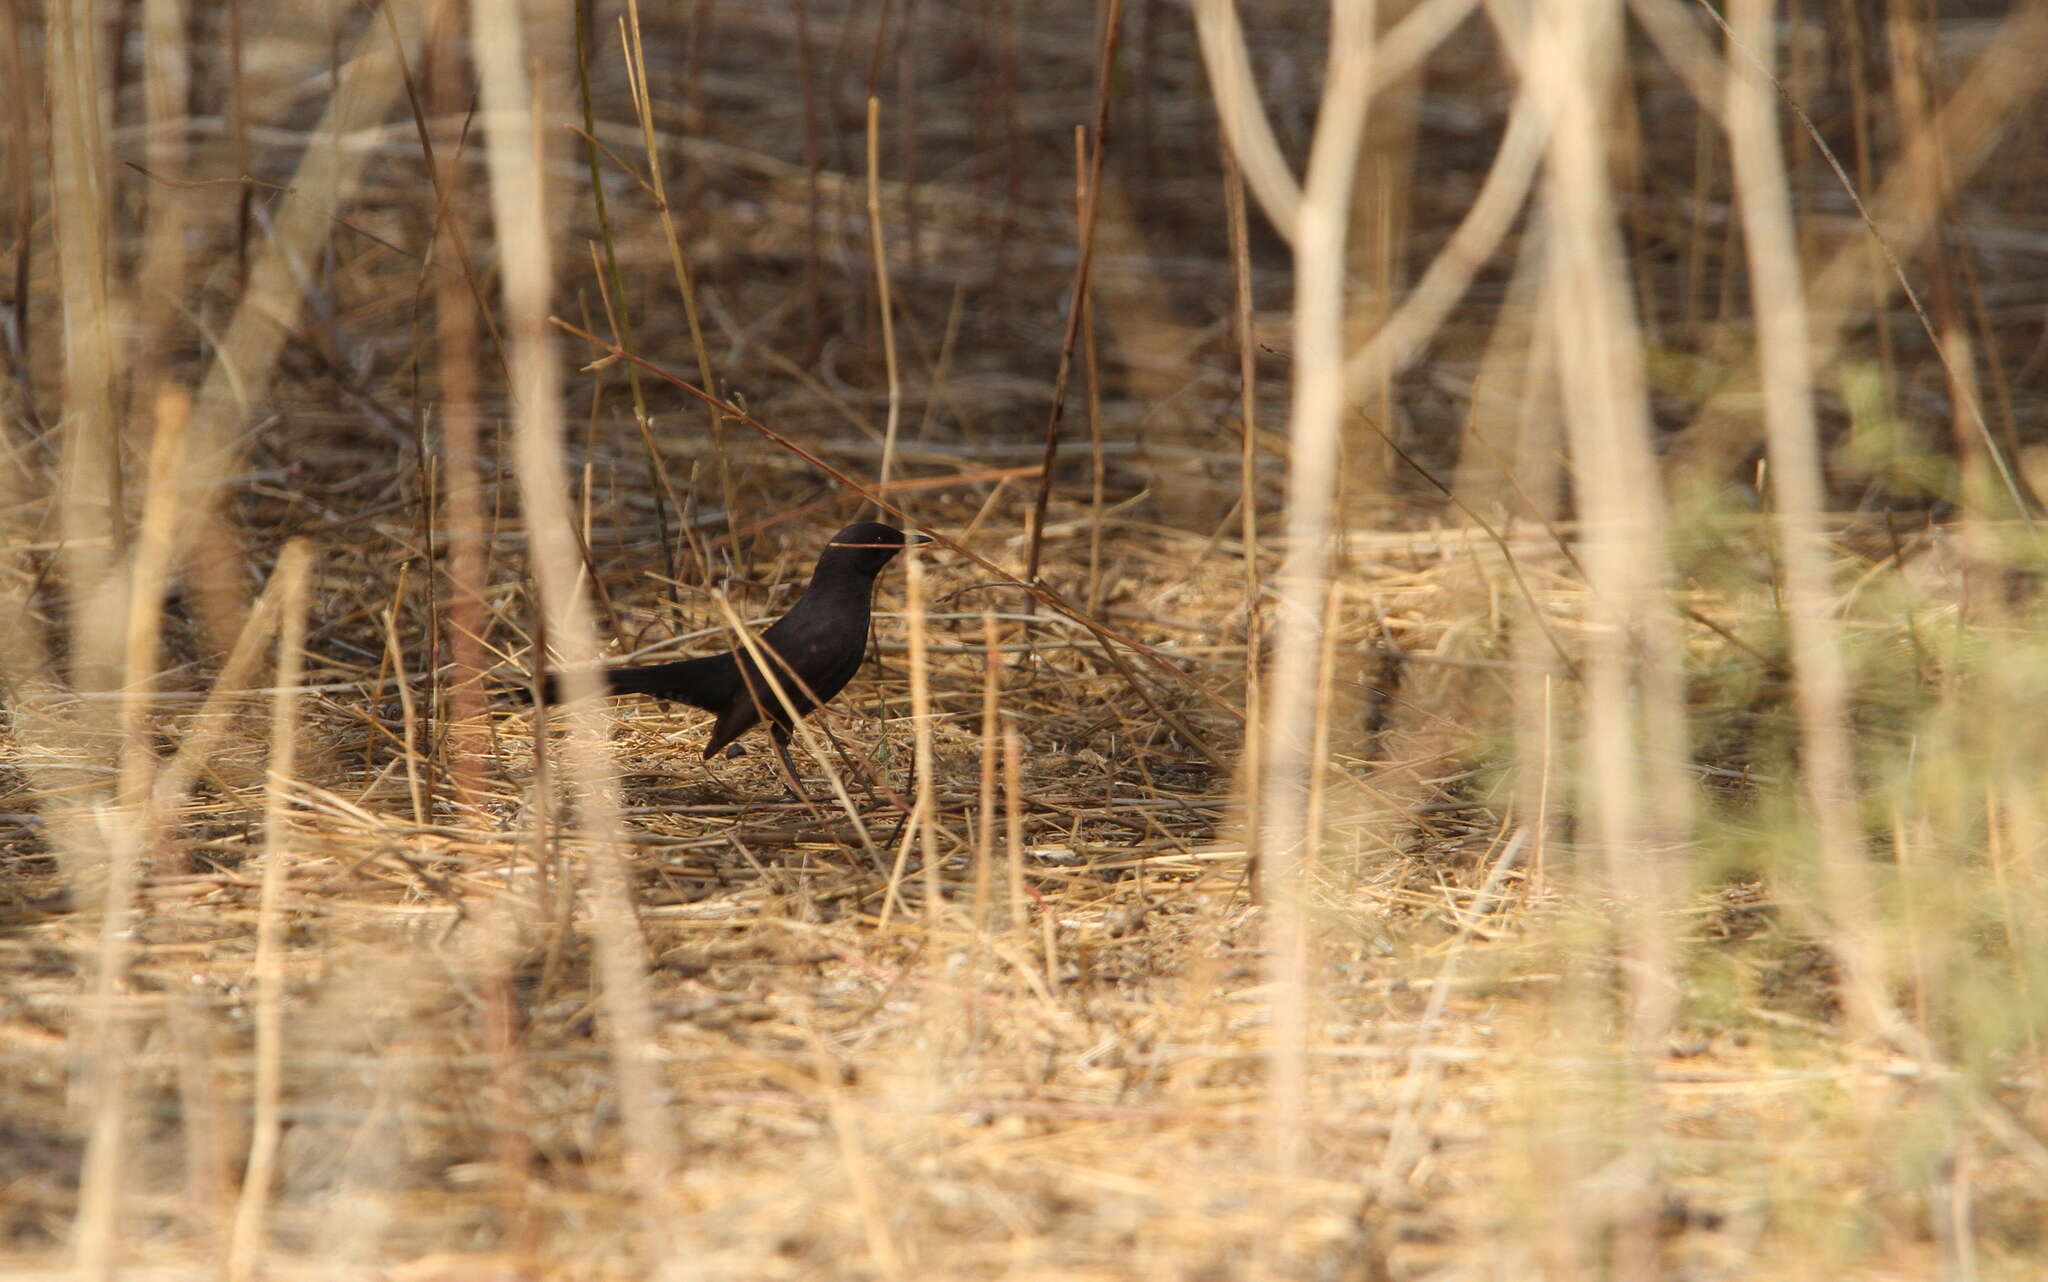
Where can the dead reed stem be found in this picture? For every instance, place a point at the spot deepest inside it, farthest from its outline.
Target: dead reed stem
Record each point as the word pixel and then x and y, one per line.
pixel 517 159
pixel 921 721
pixel 612 285
pixel 202 735
pixel 1238 223
pixel 1800 493
pixel 129 829
pixel 1634 736
pixel 455 370
pixel 1013 828
pixel 679 264
pixel 1243 119
pixel 409 714
pixel 1405 1138
pixel 147 581
pixel 166 85
pixel 1406 332
pixel 268 309
pixel 814 298
pixel 246 1237
pixel 991 755
pixel 1287 848
pixel 91 504
pixel 878 247
pixel 1107 35
pixel 1091 370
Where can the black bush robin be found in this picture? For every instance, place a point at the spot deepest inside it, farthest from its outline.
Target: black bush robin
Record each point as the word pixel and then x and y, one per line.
pixel 817 647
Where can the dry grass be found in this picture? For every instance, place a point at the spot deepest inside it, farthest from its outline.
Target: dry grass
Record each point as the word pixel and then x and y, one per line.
pixel 1635 732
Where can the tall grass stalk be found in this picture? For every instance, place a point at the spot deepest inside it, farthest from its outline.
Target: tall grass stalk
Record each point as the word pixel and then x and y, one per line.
pixel 1287 848
pixel 247 1236
pixel 455 290
pixel 1764 198
pixel 1635 800
pixel 267 312
pixel 513 105
pixel 878 249
pixel 635 50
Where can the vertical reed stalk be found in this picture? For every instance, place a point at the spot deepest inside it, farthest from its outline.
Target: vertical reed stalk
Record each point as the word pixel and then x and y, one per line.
pixel 614 286
pixel 131 828
pixel 166 89
pixel 1254 147
pixel 238 131
pixel 25 91
pixel 1013 827
pixel 1764 199
pixel 268 311
pixel 907 130
pixel 90 504
pixel 245 1240
pixel 1239 228
pixel 991 753
pixel 1084 270
pixel 679 263
pixel 1286 846
pixel 518 159
pixel 814 287
pixel 921 718
pixel 1635 795
pixel 1092 388
pixel 455 373
pixel 878 247
pixel 402 680
pixel 884 1254
pixel 147 580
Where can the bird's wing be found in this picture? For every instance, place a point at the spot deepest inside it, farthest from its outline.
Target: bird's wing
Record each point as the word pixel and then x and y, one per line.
pixel 822 638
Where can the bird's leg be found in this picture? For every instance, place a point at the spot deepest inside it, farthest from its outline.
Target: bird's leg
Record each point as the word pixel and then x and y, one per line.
pixel 779 735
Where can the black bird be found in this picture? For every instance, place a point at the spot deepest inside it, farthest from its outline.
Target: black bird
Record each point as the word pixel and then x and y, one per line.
pixel 818 646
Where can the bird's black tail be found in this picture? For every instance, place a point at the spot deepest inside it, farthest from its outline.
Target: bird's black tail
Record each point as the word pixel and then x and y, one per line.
pixel 550 689
pixel 710 683
pixel 706 683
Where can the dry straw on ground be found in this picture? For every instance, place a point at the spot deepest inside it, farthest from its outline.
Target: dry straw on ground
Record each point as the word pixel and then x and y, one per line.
pixel 1518 761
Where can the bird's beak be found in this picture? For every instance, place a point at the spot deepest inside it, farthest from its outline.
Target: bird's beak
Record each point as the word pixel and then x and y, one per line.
pixel 914 540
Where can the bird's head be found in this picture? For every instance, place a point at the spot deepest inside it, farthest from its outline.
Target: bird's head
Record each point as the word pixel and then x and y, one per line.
pixel 865 547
